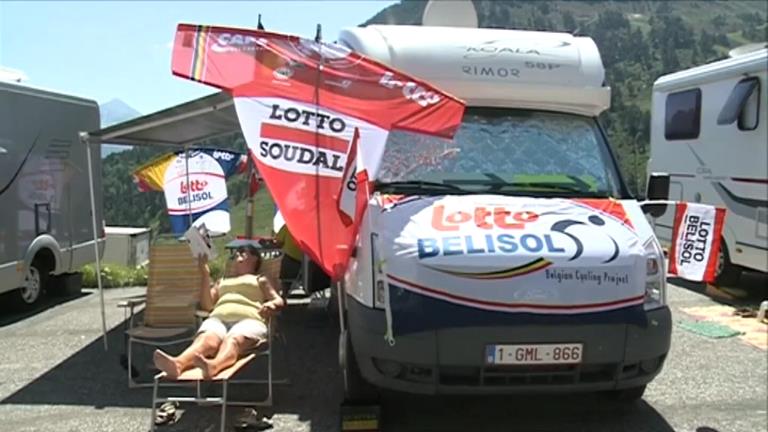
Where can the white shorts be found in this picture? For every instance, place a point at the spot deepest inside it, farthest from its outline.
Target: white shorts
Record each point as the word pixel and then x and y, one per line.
pixel 250 328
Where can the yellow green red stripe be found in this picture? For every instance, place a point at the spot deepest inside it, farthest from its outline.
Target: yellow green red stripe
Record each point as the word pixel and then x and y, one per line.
pixel 198 57
pixel 533 266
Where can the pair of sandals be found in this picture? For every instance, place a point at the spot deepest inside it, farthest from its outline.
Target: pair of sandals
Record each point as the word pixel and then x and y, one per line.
pixel 250 422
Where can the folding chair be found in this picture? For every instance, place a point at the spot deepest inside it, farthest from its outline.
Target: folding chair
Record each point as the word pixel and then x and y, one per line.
pixel 173 291
pixel 270 269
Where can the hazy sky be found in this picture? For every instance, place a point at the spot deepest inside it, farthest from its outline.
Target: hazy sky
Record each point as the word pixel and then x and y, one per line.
pixel 104 50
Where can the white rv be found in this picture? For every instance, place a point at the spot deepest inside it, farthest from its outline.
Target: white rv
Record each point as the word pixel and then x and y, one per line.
pixel 45 223
pixel 511 258
pixel 709 132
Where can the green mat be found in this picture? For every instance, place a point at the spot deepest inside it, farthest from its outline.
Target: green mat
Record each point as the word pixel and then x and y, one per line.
pixel 709 329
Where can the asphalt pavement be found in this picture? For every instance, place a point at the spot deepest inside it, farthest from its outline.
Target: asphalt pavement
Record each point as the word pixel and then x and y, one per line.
pixel 55 375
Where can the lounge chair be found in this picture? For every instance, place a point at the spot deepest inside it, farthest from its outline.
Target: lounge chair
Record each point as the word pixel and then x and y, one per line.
pixel 270 269
pixel 173 290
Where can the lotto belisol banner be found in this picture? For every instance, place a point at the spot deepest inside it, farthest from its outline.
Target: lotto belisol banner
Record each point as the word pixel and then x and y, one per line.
pixel 696 237
pixel 472 260
pixel 194 188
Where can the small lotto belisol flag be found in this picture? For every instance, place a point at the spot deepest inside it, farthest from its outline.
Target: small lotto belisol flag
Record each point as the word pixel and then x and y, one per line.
pixel 195 189
pixel 696 237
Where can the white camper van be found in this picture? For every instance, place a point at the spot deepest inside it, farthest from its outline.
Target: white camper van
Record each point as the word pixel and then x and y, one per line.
pixel 511 258
pixel 709 132
pixel 45 223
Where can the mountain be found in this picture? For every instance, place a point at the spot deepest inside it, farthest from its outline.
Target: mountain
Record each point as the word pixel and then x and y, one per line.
pixel 112 112
pixel 638 41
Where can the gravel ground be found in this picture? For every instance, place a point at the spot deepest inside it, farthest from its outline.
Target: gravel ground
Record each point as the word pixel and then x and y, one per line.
pixel 56 376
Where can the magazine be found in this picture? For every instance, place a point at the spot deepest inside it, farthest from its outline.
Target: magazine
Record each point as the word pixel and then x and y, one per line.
pixel 200 241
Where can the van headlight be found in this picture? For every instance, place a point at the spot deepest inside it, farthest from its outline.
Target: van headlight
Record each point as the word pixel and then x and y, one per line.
pixel 655 277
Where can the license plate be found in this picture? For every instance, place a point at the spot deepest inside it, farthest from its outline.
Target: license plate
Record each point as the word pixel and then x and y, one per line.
pixel 533 354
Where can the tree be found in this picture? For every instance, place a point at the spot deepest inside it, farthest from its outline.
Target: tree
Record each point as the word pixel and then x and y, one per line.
pixel 719 21
pixel 569 22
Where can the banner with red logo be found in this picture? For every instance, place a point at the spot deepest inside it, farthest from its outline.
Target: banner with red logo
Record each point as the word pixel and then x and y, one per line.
pixel 696 237
pixel 195 188
pixel 466 260
pixel 300 103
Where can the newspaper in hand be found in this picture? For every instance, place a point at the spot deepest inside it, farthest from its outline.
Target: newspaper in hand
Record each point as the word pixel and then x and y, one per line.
pixel 200 242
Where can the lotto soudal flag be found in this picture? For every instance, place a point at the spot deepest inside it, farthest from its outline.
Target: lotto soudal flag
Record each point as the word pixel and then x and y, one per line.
pixel 696 237
pixel 195 188
pixel 299 103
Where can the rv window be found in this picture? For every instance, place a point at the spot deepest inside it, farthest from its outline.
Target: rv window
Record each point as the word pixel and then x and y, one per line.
pixel 502 150
pixel 683 115
pixel 742 105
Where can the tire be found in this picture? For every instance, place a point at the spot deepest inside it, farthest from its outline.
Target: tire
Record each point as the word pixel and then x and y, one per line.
pixel 626 396
pixel 356 388
pixel 32 292
pixel 727 274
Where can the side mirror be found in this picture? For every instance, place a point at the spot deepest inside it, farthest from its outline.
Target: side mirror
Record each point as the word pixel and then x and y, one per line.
pixel 657 190
pixel 658 187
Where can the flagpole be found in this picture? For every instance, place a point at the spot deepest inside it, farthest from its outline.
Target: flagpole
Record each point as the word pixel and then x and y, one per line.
pixel 249 201
pixel 305 260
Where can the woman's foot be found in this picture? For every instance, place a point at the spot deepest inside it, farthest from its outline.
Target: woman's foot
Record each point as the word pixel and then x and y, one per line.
pixel 205 365
pixel 167 364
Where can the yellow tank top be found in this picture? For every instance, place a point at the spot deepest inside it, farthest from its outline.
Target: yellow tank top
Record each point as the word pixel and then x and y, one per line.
pixel 239 298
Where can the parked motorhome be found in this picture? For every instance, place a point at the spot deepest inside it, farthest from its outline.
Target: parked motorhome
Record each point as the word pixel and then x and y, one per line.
pixel 511 258
pixel 45 223
pixel 709 132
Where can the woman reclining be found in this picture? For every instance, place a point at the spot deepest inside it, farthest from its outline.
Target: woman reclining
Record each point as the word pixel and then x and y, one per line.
pixel 239 307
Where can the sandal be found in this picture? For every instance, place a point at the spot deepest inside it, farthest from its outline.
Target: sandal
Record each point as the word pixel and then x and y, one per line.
pixel 253 421
pixel 745 312
pixel 166 414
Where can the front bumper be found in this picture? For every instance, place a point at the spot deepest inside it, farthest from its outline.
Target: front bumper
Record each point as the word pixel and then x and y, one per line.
pixel 451 360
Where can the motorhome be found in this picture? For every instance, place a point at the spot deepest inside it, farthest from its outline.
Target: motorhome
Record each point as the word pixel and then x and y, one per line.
pixel 709 132
pixel 45 224
pixel 511 258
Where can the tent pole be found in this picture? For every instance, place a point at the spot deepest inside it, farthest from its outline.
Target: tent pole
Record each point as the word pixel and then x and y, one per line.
pixel 84 138
pixel 189 201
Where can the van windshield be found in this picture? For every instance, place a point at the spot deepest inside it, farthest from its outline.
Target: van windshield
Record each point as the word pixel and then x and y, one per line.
pixel 503 151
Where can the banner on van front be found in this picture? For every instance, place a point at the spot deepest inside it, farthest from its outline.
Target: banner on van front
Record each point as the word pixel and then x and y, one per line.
pixel 472 259
pixel 199 194
pixel 301 103
pixel 696 237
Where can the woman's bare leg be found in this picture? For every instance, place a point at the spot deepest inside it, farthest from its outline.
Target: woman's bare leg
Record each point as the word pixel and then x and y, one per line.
pixel 205 344
pixel 229 351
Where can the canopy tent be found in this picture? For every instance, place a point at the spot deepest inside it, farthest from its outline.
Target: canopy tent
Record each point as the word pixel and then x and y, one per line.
pixel 180 126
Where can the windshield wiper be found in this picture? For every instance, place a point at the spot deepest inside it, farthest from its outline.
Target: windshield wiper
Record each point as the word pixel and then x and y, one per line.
pixel 419 185
pixel 555 187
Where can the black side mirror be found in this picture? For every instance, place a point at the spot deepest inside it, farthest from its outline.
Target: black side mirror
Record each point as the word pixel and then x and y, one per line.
pixel 658 187
pixel 657 190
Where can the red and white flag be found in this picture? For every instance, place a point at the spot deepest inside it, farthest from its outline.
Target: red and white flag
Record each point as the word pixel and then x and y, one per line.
pixel 301 103
pixel 696 237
